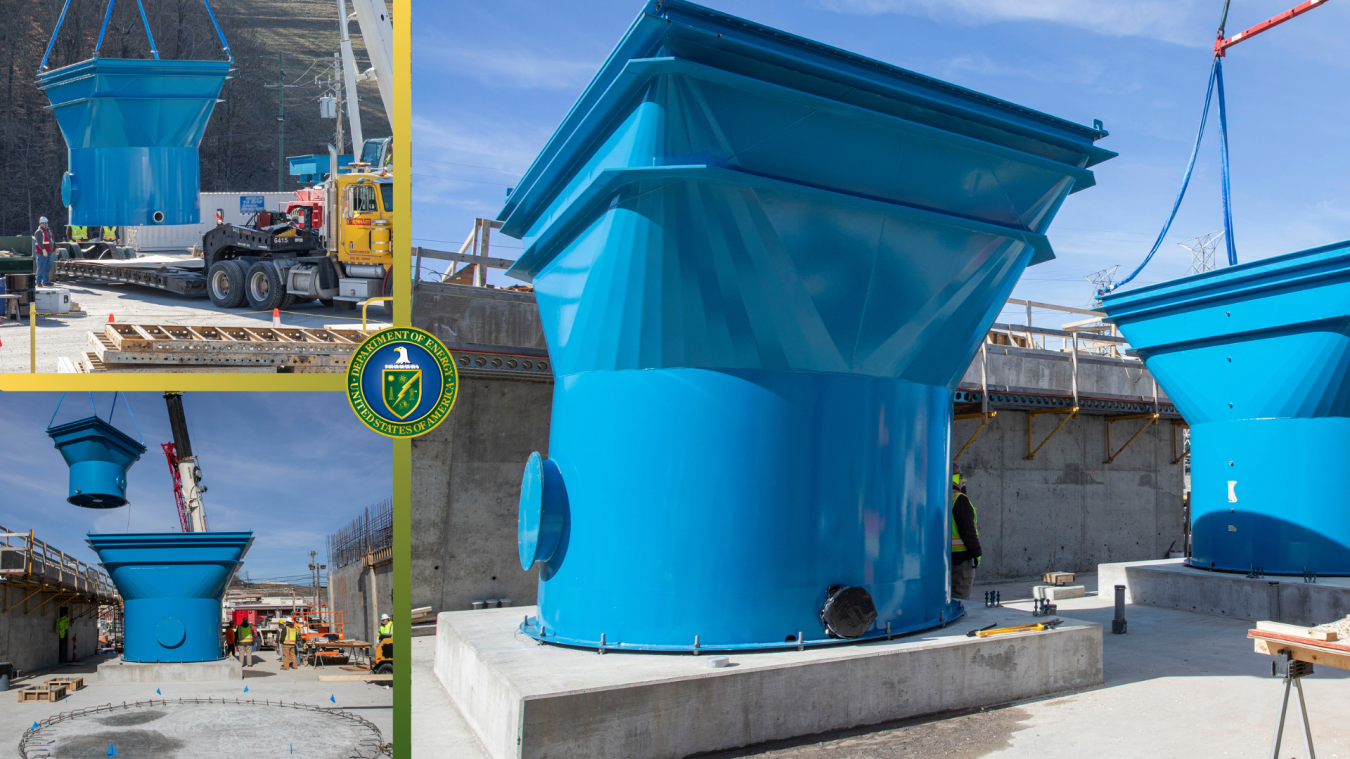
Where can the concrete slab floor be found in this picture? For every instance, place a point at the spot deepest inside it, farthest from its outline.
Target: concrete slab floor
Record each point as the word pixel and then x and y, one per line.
pixel 59 336
pixel 1177 684
pixel 265 681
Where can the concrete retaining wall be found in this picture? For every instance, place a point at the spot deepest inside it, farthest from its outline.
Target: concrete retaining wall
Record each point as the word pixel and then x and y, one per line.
pixel 349 592
pixel 29 641
pixel 1067 509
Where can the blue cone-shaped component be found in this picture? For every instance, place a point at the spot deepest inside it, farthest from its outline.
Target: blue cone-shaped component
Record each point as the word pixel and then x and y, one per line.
pixel 133 127
pixel 762 265
pixel 99 456
pixel 1257 359
pixel 172 587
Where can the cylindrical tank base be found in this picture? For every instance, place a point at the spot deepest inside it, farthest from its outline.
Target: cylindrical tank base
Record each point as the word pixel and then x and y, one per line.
pixel 716 510
pixel 172 630
pixel 1264 498
pixel 133 186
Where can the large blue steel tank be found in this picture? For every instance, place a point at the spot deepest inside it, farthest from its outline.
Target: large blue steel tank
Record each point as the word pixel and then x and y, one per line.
pixel 133 127
pixel 99 456
pixel 172 587
pixel 762 265
pixel 1257 359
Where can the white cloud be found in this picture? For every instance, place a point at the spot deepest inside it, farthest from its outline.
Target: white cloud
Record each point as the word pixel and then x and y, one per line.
pixel 517 69
pixel 1169 20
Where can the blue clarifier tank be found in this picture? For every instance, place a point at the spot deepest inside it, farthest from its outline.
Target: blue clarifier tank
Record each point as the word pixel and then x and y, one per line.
pixel 762 266
pixel 1257 359
pixel 133 128
pixel 99 456
pixel 172 587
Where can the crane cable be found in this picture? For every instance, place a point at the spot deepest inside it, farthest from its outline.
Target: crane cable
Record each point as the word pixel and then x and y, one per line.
pixel 1215 83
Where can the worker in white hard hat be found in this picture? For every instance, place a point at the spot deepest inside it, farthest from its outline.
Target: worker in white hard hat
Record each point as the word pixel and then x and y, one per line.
pixel 386 627
pixel 965 538
pixel 44 249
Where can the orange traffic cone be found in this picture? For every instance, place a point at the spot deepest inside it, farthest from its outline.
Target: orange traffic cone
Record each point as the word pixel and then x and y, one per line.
pixel 111 319
pixel 276 317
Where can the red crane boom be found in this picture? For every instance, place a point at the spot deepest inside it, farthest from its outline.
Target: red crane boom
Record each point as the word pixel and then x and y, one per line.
pixel 172 455
pixel 1221 44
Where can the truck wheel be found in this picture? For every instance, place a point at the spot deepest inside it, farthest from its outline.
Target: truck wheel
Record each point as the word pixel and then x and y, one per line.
pixel 225 284
pixel 384 668
pixel 128 252
pixel 264 286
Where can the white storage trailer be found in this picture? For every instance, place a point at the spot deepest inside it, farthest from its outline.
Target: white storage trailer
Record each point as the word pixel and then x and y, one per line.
pixel 236 207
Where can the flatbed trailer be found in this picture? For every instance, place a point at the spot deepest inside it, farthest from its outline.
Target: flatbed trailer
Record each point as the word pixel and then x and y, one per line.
pixel 178 281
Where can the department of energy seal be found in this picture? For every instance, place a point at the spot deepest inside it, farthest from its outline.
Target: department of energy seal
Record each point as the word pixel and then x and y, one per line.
pixel 402 382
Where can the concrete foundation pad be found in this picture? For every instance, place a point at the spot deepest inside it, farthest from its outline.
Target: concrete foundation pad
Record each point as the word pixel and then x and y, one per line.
pixel 118 671
pixel 525 699
pixel 1172 585
pixel 1058 592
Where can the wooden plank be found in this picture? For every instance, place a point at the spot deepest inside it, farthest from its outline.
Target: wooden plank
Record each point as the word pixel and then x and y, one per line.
pixel 72 683
pixel 1301 652
pixel 1296 631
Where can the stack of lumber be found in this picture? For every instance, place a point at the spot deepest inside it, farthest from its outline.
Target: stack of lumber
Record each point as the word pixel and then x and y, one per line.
pixel 48 691
pixel 1311 644
pixel 422 615
pixel 175 348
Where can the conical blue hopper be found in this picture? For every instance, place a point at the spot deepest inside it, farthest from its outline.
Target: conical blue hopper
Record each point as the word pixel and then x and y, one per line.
pixel 172 587
pixel 762 265
pixel 99 456
pixel 133 127
pixel 1256 358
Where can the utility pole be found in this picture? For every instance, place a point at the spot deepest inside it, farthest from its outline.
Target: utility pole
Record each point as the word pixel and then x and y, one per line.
pixel 281 124
pixel 337 67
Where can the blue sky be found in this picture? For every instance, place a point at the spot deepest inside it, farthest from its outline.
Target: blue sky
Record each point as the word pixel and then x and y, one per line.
pixel 291 467
pixel 492 80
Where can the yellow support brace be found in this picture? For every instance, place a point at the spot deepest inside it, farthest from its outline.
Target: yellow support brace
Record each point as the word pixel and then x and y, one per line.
pixel 1072 412
pixel 987 418
pixel 1110 420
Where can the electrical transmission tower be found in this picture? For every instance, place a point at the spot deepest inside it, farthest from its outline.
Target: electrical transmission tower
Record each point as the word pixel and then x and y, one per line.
pixel 1101 282
pixel 1202 252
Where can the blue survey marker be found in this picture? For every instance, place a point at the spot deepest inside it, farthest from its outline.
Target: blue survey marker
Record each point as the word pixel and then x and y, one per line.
pixel 172 587
pixel 762 265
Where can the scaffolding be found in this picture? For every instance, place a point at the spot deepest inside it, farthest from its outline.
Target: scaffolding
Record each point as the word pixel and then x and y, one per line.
pixel 42 579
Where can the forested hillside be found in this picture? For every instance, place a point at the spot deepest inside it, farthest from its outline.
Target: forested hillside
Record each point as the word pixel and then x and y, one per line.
pixel 288 40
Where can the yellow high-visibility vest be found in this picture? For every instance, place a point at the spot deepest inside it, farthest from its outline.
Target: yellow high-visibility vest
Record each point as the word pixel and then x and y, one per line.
pixel 957 543
pixel 245 634
pixel 291 635
pixel 62 625
pixel 387 630
pixel 110 234
pixel 79 234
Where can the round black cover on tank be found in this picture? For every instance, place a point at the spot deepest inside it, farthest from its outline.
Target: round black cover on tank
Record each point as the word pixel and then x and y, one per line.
pixel 848 612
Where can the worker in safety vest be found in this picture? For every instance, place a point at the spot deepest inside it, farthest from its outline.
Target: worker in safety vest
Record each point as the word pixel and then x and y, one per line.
pixel 44 249
pixel 243 642
pixel 965 538
pixel 229 638
pixel 79 233
pixel 110 234
pixel 290 642
pixel 386 626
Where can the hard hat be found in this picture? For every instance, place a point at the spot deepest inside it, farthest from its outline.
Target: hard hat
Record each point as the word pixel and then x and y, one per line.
pixel 384 616
pixel 43 220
